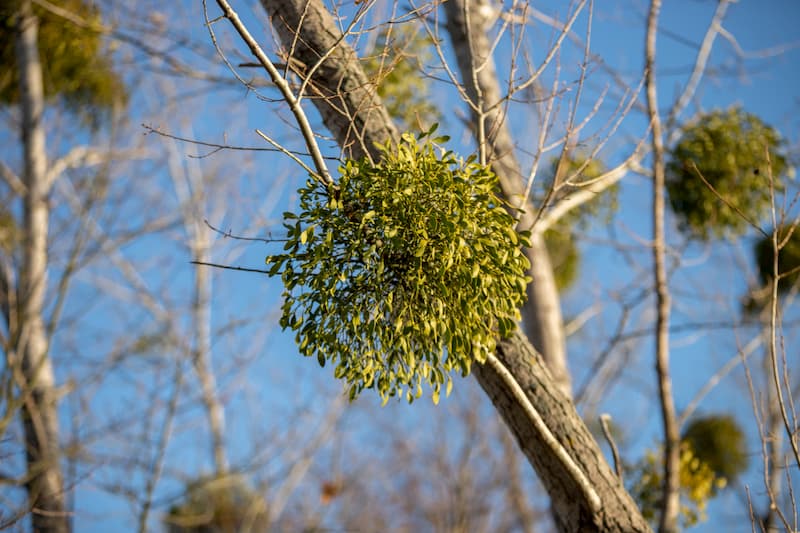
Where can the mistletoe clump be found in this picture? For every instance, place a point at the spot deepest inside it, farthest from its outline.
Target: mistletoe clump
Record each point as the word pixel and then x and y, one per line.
pixel 788 258
pixel 402 271
pixel 727 151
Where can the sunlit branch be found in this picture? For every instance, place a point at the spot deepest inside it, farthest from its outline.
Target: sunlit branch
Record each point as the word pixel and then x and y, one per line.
pixel 280 82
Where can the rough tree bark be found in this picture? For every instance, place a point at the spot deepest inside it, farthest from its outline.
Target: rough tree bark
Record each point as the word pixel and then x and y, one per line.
pixel 40 421
pixel 352 110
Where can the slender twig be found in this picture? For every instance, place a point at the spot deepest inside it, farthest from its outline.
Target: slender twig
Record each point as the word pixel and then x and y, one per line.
pixel 727 202
pixel 11 178
pixel 574 470
pixel 228 267
pixel 733 362
pixel 221 146
pixel 229 235
pixel 283 86
pixel 284 151
pixel 157 463
pixel 605 419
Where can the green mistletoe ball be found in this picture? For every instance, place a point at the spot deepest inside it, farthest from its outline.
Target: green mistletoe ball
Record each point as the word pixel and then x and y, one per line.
pixel 725 150
pixel 404 270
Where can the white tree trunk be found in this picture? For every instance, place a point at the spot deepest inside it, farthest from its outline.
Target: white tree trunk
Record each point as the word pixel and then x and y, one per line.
pixel 45 483
pixel 201 358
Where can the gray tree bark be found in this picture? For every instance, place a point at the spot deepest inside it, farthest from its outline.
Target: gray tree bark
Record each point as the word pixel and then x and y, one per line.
pixel 353 112
pixel 670 506
pixel 39 411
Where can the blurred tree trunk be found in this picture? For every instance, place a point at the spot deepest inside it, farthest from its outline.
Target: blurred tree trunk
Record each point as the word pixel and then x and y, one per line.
pixel 468 26
pixel 351 109
pixel 44 478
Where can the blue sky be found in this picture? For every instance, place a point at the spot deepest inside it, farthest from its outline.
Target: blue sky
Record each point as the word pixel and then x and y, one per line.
pixel 273 392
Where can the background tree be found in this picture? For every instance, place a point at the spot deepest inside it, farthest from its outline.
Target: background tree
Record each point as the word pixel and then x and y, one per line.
pixel 88 84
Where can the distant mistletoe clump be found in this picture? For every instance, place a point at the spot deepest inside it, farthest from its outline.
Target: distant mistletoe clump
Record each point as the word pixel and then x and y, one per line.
pixel 718 176
pixel 77 67
pixel 404 270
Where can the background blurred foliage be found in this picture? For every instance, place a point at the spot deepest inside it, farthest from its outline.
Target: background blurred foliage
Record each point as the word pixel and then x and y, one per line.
pixel 396 65
pixel 564 255
pixel 222 504
pixel 561 238
pixel 719 442
pixel 713 453
pixel 728 148
pixel 76 67
pixel 788 258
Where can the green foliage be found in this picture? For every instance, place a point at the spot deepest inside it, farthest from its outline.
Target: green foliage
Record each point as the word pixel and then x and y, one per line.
pixel 403 271
pixel 75 67
pixel 698 484
pixel 217 504
pixel 719 442
pixel 9 232
pixel 564 256
pixel 788 260
pixel 560 239
pixel 578 168
pixel 713 453
pixel 728 149
pixel 395 64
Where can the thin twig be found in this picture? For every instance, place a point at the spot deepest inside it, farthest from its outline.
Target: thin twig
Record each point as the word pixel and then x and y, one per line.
pixel 228 267
pixel 605 419
pixel 220 146
pixel 725 200
pixel 280 82
pixel 229 235
pixel 575 472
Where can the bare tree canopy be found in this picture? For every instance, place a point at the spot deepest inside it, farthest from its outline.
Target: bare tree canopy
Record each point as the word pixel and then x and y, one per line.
pixel 241 245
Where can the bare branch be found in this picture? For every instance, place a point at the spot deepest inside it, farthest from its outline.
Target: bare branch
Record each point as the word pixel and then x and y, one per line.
pixel 228 267
pixel 11 178
pixel 670 507
pixel 280 82
pixel 605 420
pixel 700 63
pixel 87 156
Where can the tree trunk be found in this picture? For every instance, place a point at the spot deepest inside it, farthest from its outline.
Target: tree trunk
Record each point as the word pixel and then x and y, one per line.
pixel 571 510
pixel 348 102
pixel 201 358
pixel 44 479
pixel 468 26
pixel 670 506
pixel 307 28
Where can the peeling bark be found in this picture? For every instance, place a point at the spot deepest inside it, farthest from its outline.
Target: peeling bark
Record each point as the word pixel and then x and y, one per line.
pixel 306 28
pixel 39 412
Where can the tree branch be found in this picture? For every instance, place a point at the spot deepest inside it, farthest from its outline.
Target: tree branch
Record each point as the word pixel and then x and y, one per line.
pixel 283 86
